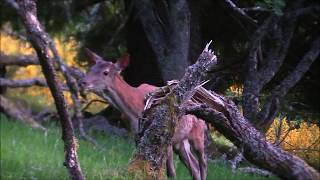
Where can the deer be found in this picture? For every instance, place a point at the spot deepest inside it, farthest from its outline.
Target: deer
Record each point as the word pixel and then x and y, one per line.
pixel 104 77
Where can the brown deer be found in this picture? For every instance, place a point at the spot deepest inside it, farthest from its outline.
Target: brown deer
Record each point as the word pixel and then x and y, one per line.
pixel 104 76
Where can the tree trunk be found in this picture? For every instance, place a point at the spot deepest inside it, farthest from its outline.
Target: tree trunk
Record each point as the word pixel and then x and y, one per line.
pixel 150 156
pixel 2 75
pixel 40 41
pixel 166 25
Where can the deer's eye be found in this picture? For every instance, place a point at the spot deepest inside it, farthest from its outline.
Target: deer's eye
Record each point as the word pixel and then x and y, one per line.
pixel 105 73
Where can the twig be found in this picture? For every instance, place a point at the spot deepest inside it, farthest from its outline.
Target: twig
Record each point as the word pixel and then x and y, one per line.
pixel 92 101
pixel 236 160
pixel 256 171
pixel 302 149
pixel 256 8
pixel 240 11
pixel 117 31
pixel 284 137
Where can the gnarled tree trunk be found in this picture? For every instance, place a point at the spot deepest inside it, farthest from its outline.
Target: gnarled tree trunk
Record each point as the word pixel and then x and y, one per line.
pixel 151 153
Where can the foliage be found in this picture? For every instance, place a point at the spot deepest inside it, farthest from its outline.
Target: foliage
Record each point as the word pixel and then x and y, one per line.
pixel 303 140
pixel 31 154
pixel 39 97
pixel 274 5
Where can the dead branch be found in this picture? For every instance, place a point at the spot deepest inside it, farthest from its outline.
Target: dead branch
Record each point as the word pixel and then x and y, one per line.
pixel 160 118
pixel 239 11
pixel 284 137
pixel 22 83
pixel 18 60
pixel 93 101
pixel 236 160
pixel 16 111
pixel 256 9
pixel 16 35
pixel 224 115
pixel 253 170
pixel 40 40
pixel 73 86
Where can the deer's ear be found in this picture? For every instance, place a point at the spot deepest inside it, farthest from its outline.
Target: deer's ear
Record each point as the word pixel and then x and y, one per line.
pixel 123 62
pixel 92 57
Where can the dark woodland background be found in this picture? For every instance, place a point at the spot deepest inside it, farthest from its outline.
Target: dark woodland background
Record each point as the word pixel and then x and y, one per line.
pixel 268 59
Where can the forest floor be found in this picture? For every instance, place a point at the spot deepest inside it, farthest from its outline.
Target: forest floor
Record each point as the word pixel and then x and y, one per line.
pixel 27 153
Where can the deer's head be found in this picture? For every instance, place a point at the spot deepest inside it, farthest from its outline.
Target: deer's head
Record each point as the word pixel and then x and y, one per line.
pixel 102 73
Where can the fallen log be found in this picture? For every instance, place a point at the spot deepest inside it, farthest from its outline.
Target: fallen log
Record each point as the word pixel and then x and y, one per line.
pixel 225 116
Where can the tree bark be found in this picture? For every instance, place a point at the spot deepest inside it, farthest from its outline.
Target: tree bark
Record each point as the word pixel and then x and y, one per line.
pixel 224 115
pixel 3 72
pixel 213 108
pixel 150 155
pixel 272 104
pixel 167 28
pixel 40 41
pixel 265 62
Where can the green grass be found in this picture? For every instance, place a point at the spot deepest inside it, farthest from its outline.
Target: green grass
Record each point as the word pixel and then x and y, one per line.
pixel 31 154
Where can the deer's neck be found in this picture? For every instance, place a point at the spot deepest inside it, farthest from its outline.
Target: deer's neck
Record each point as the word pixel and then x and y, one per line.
pixel 127 99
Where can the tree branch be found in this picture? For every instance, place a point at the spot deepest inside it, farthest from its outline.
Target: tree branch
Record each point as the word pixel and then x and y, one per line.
pixel 40 41
pixel 225 117
pixel 303 11
pixel 18 60
pixel 275 59
pixel 270 108
pixel 16 111
pixel 256 9
pixel 252 85
pixel 14 34
pixel 23 83
pixel 239 11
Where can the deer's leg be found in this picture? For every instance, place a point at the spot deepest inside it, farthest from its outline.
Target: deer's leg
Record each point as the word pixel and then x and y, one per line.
pixel 188 159
pixel 171 172
pixel 202 160
pixel 199 147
